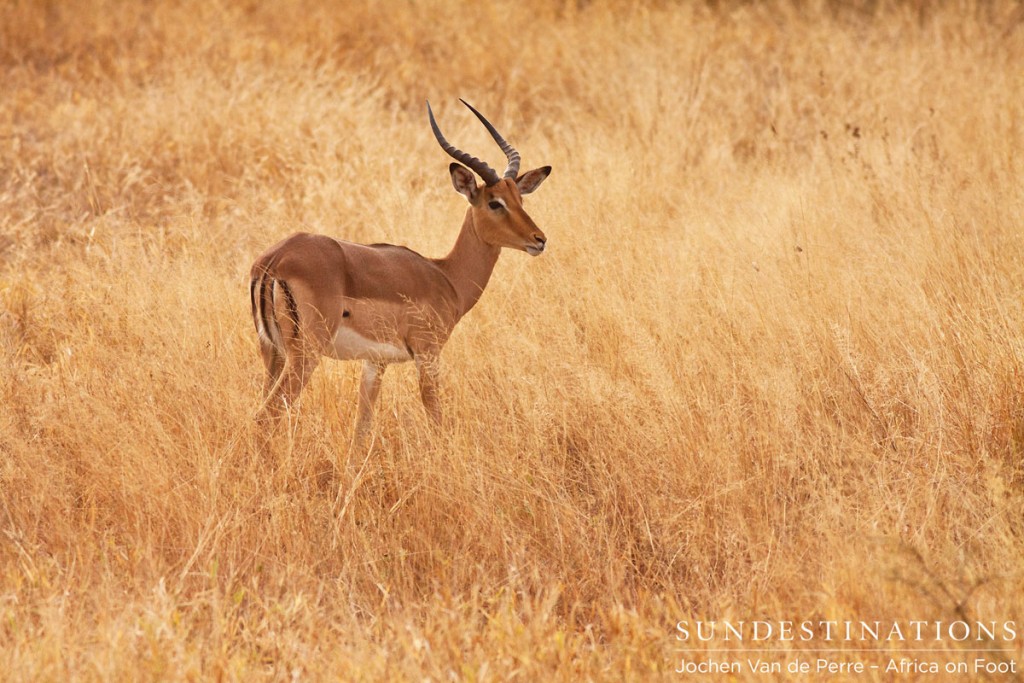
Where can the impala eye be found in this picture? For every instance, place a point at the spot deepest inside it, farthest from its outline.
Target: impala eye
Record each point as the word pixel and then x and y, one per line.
pixel 496 204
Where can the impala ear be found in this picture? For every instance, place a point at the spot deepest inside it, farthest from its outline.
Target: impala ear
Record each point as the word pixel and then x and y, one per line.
pixel 531 180
pixel 463 180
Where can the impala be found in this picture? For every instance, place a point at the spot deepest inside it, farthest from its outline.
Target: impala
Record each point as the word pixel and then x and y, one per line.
pixel 315 296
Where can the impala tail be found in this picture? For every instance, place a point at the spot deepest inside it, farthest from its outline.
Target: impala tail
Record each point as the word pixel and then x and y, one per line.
pixel 268 295
pixel 266 292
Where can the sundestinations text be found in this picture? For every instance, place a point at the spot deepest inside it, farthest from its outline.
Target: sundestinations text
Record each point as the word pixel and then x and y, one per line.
pixel 846 631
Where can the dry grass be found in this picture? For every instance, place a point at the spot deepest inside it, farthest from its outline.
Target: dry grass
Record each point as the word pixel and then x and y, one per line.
pixel 770 367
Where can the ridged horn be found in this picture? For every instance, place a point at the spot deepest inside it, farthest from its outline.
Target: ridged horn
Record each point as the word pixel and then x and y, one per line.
pixel 488 174
pixel 512 170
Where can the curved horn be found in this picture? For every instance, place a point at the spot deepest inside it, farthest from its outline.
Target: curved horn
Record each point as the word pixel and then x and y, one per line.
pixel 513 156
pixel 490 177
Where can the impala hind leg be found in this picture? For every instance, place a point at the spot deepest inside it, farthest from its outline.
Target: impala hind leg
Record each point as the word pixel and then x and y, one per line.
pixel 428 368
pixel 292 375
pixel 297 371
pixel 369 391
pixel 273 361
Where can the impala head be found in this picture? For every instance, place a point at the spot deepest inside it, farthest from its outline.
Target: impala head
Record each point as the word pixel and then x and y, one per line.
pixel 497 203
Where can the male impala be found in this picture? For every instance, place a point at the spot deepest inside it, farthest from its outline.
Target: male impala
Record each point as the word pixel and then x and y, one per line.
pixel 314 295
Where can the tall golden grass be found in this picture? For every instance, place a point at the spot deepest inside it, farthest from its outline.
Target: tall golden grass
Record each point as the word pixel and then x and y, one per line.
pixel 770 367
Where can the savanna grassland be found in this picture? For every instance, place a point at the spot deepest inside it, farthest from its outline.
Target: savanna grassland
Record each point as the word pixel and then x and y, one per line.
pixel 770 367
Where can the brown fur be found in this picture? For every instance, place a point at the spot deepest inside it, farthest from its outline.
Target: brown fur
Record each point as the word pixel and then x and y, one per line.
pixel 307 289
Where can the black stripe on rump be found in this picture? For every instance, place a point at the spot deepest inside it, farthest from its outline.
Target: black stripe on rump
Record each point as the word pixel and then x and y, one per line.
pixel 252 301
pixel 293 309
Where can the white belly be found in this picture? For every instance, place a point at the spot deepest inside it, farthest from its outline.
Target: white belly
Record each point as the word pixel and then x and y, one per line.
pixel 350 345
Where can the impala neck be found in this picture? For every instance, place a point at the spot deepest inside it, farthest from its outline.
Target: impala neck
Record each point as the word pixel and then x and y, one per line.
pixel 469 265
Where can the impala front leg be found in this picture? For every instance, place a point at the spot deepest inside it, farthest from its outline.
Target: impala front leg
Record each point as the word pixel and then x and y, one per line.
pixel 428 367
pixel 369 390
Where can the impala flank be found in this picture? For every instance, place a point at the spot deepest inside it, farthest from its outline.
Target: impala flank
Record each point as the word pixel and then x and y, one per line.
pixel 315 296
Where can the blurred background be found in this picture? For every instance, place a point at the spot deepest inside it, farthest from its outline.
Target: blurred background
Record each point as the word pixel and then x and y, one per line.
pixel 768 367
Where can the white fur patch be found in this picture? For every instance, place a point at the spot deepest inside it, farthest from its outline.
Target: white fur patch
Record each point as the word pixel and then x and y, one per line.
pixel 350 345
